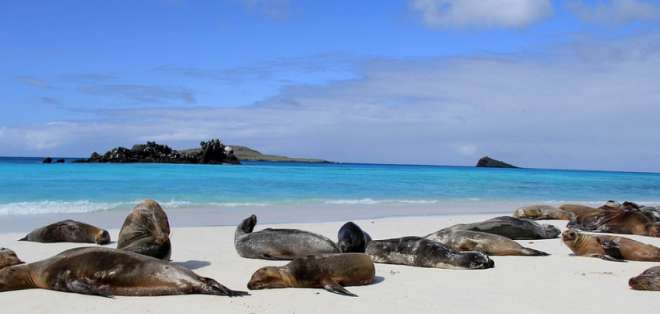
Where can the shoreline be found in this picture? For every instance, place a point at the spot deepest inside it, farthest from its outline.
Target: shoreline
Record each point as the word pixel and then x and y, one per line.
pixel 548 284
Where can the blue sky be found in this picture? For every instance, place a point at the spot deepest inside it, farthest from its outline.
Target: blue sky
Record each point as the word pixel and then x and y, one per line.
pixel 539 83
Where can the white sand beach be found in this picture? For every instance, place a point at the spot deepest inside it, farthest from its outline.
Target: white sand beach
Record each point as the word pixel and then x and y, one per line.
pixel 559 283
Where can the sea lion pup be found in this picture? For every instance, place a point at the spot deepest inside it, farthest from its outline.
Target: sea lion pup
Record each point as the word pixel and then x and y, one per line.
pixel 279 244
pixel 331 272
pixel 512 228
pixel 8 258
pixel 351 239
pixel 609 247
pixel 487 243
pixel 416 251
pixel 542 212
pixel 648 280
pixel 68 231
pixel 146 231
pixel 107 272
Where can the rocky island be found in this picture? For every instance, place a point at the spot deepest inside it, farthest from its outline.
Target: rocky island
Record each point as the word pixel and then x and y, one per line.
pixel 209 152
pixel 488 162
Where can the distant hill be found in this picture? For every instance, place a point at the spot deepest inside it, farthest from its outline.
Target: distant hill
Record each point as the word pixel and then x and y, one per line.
pixel 244 153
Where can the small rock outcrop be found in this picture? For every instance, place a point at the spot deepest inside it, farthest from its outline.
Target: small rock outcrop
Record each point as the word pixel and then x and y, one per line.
pixel 488 162
pixel 211 152
pixel 47 160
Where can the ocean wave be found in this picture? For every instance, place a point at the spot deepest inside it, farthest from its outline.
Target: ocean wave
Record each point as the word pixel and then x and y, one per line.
pixel 370 201
pixel 56 207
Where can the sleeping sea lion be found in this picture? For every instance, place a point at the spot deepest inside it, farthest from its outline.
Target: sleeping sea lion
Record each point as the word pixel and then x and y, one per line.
pixel 416 251
pixel 512 228
pixel 487 243
pixel 648 280
pixel 351 239
pixel 542 212
pixel 68 231
pixel 8 258
pixel 279 244
pixel 611 248
pixel 146 231
pixel 108 272
pixel 626 218
pixel 331 272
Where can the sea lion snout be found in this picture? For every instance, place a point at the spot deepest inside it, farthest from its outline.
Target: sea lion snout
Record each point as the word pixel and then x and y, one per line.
pixel 103 237
pixel 266 278
pixel 478 260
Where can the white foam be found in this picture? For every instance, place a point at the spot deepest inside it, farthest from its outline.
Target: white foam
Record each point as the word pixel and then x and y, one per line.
pixel 55 207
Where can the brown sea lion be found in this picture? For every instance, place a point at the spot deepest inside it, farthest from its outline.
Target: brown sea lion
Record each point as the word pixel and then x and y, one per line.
pixel 512 228
pixel 542 212
pixel 279 244
pixel 626 218
pixel 609 247
pixel 648 280
pixel 420 252
pixel 8 258
pixel 487 243
pixel 68 231
pixel 146 231
pixel 331 272
pixel 108 272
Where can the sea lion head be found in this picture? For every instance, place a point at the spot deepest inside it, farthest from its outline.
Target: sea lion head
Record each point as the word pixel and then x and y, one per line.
pixel 268 278
pixel 571 237
pixel 351 238
pixel 15 278
pixel 102 237
pixel 477 260
pixel 648 280
pixel 653 230
pixel 8 258
pixel 551 231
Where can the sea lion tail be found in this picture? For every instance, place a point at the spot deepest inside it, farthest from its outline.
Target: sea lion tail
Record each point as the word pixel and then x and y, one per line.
pixel 25 238
pixel 337 288
pixel 213 287
pixel 532 252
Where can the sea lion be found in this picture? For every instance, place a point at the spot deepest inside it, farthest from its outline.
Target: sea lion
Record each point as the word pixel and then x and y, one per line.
pixel 8 258
pixel 648 280
pixel 542 212
pixel 579 210
pixel 279 244
pixel 351 238
pixel 146 231
pixel 611 248
pixel 68 231
pixel 107 272
pixel 487 243
pixel 512 228
pixel 416 251
pixel 331 272
pixel 626 218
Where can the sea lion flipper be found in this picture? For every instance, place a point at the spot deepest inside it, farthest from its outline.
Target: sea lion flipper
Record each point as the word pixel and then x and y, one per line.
pixel 88 287
pixel 213 287
pixel 337 288
pixel 611 248
pixel 468 245
pixel 25 238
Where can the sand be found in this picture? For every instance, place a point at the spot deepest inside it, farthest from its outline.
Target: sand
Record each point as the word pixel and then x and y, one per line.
pixel 559 283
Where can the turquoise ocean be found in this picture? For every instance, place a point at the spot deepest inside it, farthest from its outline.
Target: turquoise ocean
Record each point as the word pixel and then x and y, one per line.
pixel 28 187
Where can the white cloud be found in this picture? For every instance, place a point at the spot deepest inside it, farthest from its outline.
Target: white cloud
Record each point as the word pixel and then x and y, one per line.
pixel 615 11
pixel 481 13
pixel 588 105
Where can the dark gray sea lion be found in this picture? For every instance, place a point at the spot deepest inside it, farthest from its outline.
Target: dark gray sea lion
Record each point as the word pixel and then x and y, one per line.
pixel 331 272
pixel 279 244
pixel 416 251
pixel 68 231
pixel 542 212
pixel 648 280
pixel 8 258
pixel 351 238
pixel 487 243
pixel 146 231
pixel 108 272
pixel 609 247
pixel 512 228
